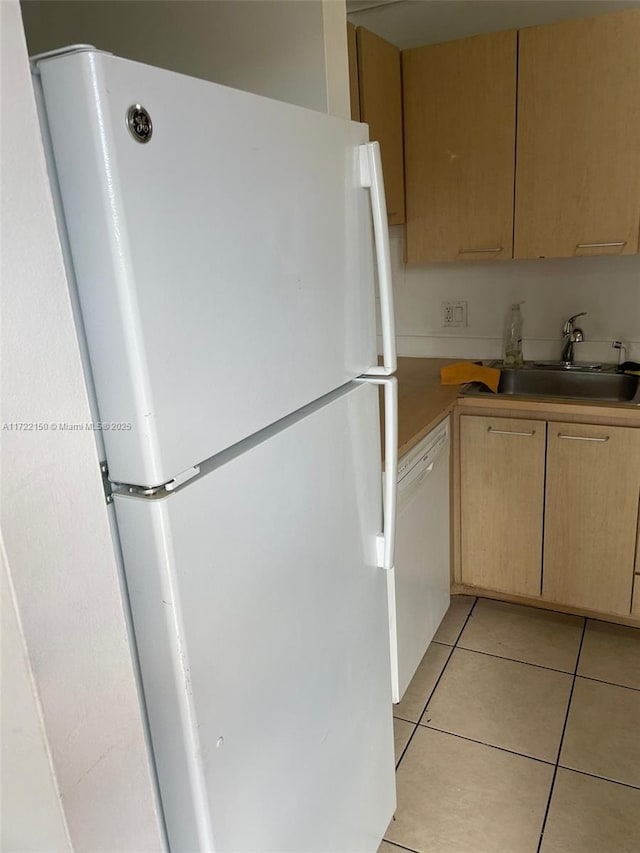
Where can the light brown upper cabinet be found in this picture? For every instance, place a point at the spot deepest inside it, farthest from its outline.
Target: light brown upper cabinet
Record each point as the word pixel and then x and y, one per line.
pixel 460 134
pixel 578 154
pixel 380 95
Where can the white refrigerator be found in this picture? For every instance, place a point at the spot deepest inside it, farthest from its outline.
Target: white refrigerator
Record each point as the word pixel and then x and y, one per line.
pixel 221 251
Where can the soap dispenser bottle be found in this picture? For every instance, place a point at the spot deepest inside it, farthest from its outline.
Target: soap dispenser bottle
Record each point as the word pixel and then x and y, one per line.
pixel 513 338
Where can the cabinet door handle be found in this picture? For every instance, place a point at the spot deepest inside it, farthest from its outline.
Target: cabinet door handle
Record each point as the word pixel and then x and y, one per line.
pixel 584 437
pixel 509 432
pixel 619 244
pixel 480 251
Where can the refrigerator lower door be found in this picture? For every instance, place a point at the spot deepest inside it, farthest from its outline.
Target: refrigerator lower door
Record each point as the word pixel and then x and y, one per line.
pixel 260 620
pixel 419 584
pixel 224 265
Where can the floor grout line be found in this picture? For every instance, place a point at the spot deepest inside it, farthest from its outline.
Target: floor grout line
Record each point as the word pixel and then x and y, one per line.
pixel 490 745
pixel 538 666
pixel 610 683
pixel 601 778
pixel 435 686
pixel 611 622
pixel 464 624
pixel 400 846
pixel 554 765
pixel 564 728
pixel 423 710
pixel 517 660
pixel 405 720
pixel 534 607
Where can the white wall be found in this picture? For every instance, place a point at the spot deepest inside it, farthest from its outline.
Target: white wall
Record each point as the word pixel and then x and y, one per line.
pixel 54 522
pixel 28 777
pixel 607 288
pixel 292 50
pixel 336 58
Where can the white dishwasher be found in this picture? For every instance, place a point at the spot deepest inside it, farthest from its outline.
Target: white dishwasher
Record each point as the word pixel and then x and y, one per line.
pixel 419 585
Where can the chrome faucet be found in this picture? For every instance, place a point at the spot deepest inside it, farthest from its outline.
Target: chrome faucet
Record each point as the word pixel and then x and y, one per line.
pixel 622 351
pixel 570 337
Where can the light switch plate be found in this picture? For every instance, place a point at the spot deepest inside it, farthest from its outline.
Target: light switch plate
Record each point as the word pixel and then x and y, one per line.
pixel 454 314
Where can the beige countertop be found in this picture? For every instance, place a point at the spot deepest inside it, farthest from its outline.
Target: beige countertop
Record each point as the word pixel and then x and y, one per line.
pixel 422 401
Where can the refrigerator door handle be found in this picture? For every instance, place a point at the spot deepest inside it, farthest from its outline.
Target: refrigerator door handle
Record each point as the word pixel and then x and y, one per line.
pixel 371 177
pixel 385 541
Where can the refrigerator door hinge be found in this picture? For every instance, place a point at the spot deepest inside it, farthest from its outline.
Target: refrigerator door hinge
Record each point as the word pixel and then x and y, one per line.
pixel 160 491
pixel 106 483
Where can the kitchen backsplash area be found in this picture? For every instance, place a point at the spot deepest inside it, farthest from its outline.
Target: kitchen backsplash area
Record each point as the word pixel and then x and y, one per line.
pixel 607 288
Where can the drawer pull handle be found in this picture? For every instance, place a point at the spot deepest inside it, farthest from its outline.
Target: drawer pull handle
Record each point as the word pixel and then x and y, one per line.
pixel 510 432
pixel 492 251
pixel 584 437
pixel 617 245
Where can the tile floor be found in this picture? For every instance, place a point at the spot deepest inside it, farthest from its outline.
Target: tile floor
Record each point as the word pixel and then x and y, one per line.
pixel 520 733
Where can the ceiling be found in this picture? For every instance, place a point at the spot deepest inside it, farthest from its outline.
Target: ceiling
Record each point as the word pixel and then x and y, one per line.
pixel 409 23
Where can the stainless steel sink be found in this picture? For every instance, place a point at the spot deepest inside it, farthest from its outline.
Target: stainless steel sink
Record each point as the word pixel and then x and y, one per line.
pixel 604 385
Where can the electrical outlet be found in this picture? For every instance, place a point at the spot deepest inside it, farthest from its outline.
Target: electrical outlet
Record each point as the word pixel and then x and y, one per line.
pixel 454 314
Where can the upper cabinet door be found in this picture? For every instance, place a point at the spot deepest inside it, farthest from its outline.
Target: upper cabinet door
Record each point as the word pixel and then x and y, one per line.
pixel 380 89
pixel 460 125
pixel 578 158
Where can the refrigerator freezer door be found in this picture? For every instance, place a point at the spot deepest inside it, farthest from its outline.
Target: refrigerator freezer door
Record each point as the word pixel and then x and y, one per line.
pixel 260 620
pixel 224 266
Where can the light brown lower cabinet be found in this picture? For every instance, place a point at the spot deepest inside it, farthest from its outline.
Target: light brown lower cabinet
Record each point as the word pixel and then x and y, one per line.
pixel 502 500
pixel 591 516
pixel 550 510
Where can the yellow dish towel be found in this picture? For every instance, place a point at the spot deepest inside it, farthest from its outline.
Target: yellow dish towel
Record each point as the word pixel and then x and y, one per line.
pixel 466 371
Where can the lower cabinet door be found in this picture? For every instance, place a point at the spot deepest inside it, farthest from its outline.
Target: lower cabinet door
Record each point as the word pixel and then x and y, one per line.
pixel 502 499
pixel 591 516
